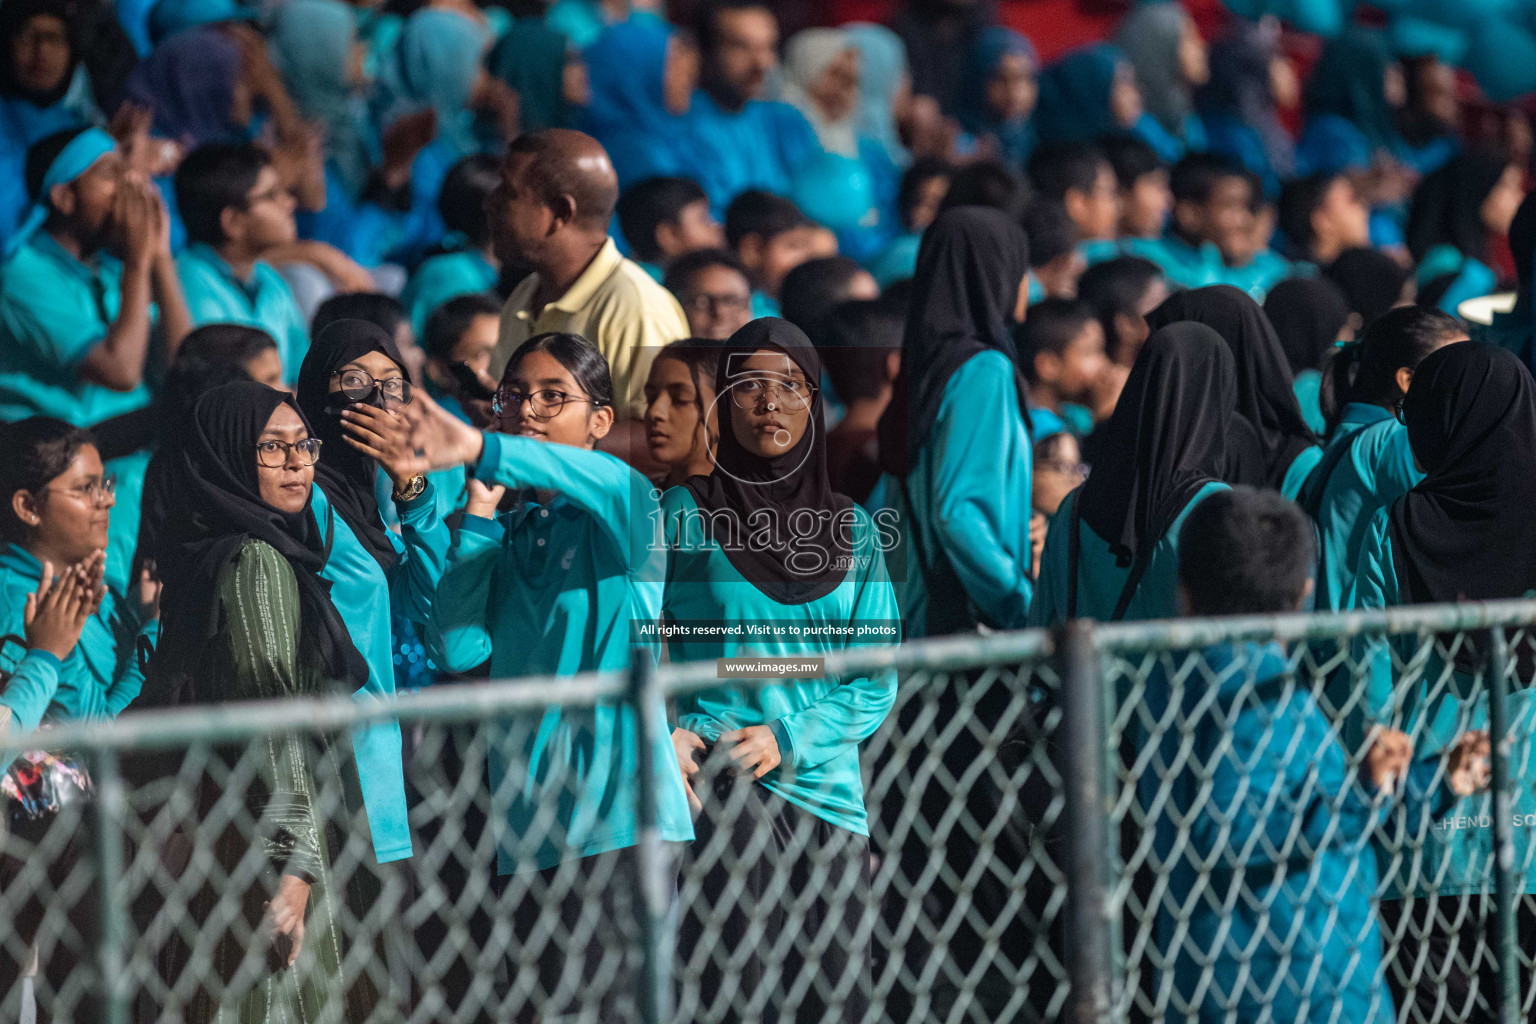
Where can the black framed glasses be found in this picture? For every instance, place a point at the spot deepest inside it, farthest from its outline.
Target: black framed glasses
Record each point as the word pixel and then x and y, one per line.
pixel 544 403
pixel 274 454
pixel 1066 468
pixel 787 394
pixel 100 491
pixel 359 386
pixel 704 302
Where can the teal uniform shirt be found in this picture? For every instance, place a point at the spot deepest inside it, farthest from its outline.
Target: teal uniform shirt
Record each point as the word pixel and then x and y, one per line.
pixel 1374 470
pixel 1100 579
pixel 54 310
pixel 1300 468
pixel 1267 269
pixel 1409 688
pixel 366 598
pixel 554 589
pixel 101 676
pixel 818 723
pixel 443 277
pixel 1186 265
pixel 970 487
pixel 216 296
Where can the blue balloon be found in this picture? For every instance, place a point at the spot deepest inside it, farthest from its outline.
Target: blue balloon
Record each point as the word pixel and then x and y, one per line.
pixel 835 191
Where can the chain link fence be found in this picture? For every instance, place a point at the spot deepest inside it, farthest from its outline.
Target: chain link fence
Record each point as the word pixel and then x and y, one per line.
pixel 1145 822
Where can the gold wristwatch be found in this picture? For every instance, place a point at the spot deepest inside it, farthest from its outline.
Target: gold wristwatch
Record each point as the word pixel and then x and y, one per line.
pixel 413 488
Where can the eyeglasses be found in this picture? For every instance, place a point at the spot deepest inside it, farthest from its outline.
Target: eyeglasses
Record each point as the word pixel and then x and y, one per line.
pixel 274 454
pixel 271 195
pixel 1065 468
pixel 1397 411
pixel 98 492
pixel 359 386
pixel 789 395
pixel 543 403
pixel 703 302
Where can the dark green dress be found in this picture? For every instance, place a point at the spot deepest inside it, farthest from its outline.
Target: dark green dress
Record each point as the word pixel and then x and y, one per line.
pixel 296 802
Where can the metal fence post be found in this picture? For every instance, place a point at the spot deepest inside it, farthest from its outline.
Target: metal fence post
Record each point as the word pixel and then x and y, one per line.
pixel 1503 837
pixel 653 903
pixel 1087 812
pixel 110 808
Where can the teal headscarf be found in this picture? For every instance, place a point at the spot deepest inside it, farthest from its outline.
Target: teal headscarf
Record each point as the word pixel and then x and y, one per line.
pixel 882 64
pixel 311 44
pixel 1015 138
pixel 435 63
pixel 1075 94
pixel 73 160
pixel 1150 36
pixel 1350 82
pixel 531 59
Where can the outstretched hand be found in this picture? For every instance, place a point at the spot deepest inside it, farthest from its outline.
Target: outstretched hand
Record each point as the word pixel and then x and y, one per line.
pixel 439 439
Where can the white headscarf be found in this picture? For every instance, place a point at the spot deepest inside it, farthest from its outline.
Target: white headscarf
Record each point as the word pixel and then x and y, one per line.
pixel 807 56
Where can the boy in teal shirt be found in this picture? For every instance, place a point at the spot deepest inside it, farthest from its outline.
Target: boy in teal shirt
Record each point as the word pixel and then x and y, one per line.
pixel 1210 237
pixel 80 284
pixel 468 264
pixel 235 208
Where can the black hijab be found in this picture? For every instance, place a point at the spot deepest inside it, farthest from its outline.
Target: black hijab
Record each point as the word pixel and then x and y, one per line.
pixel 753 492
pixel 1446 208
pixel 964 291
pixel 1371 280
pixel 1166 439
pixel 1466 532
pixel 1265 400
pixel 346 474
pixel 1307 313
pixel 214 506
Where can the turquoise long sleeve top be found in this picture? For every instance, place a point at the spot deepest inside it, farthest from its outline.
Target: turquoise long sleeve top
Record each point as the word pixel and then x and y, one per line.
pixel 970 489
pixel 1373 468
pixel 818 723
pixel 216 296
pixel 101 676
pixel 366 597
pixel 1100 579
pixel 553 588
pixel 1408 685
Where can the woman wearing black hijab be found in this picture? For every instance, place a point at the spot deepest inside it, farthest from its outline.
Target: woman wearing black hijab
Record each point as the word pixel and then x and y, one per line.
pixel 1165 447
pixel 353 365
pixel 794 744
pixel 953 441
pixel 1271 445
pixel 246 616
pixel 1465 533
pixel 958 466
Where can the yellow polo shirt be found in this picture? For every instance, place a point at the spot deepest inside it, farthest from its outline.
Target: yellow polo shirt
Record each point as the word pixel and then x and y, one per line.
pixel 613 304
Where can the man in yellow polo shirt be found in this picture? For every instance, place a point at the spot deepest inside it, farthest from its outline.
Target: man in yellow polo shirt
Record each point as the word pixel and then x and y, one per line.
pixel 551 212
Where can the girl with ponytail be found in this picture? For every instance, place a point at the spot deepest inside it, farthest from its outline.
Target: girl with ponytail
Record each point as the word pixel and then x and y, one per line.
pixel 1367 464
